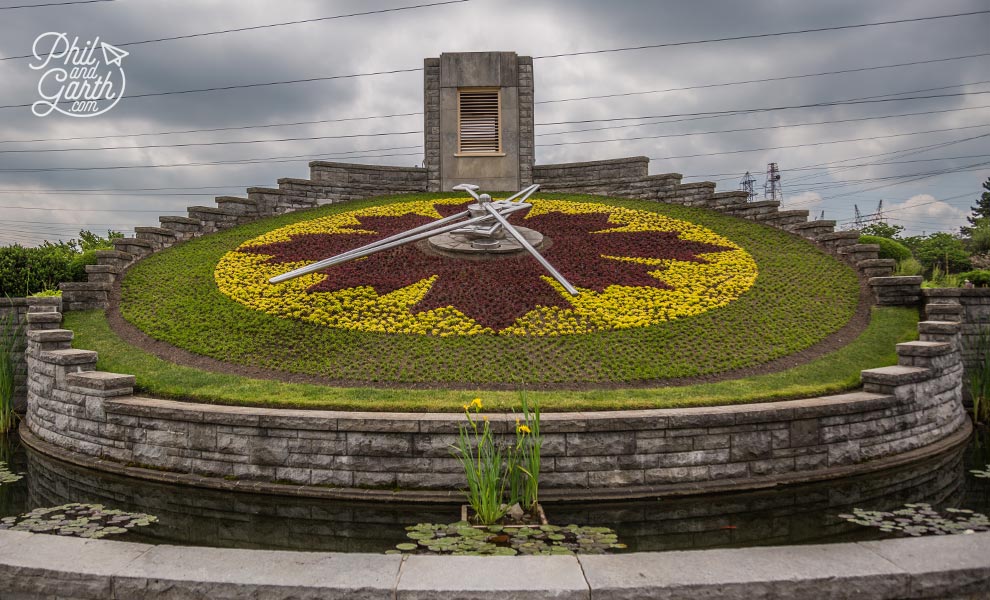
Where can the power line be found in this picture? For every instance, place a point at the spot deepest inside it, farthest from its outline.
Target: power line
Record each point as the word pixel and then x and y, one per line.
pixel 872 137
pixel 228 143
pixel 371 117
pixel 391 133
pixel 761 35
pixel 749 111
pixel 53 4
pixel 769 109
pixel 273 159
pixel 686 134
pixel 394 71
pixel 713 85
pixel 270 25
pixel 916 205
pixel 246 85
pixel 211 129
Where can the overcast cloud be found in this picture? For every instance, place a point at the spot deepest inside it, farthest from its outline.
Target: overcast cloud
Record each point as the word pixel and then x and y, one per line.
pixel 400 40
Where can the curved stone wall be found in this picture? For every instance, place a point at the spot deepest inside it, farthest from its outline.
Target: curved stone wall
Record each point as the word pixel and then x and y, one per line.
pixel 902 409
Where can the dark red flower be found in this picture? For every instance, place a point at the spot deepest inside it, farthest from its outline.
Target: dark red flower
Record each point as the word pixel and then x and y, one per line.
pixel 492 292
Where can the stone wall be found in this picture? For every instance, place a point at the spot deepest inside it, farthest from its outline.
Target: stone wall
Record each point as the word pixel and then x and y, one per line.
pixel 904 408
pixel 970 307
pixel 13 313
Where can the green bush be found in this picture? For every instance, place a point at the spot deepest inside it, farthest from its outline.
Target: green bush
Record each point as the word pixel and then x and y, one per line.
pixel 888 248
pixel 25 271
pixel 909 267
pixel 978 277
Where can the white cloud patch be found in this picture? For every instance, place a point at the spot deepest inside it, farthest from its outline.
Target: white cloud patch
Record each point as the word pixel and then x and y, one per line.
pixel 923 213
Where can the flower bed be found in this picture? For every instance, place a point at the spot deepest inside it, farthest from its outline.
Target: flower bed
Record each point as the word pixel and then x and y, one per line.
pixel 667 292
pixel 634 268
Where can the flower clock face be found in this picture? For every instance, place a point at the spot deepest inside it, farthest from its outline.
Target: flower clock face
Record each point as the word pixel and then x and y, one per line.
pixel 634 268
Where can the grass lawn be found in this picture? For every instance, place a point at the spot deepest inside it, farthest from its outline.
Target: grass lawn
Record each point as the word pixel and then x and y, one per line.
pixel 800 296
pixel 832 373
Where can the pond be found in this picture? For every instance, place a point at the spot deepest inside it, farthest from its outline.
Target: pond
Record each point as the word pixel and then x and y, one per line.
pixel 794 514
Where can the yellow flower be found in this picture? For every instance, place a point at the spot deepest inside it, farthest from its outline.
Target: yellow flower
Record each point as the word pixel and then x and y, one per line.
pixel 465 406
pixel 476 403
pixel 523 429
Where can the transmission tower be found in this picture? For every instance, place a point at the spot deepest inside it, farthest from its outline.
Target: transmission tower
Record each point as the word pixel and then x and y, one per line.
pixel 858 221
pixel 747 185
pixel 771 187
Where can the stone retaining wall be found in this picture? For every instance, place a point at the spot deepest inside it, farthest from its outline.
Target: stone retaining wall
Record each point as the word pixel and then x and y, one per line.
pixel 13 313
pixel 971 307
pixel 912 405
pixel 41 567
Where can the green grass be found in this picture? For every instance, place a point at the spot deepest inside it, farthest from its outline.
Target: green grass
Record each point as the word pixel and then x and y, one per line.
pixel 832 373
pixel 801 296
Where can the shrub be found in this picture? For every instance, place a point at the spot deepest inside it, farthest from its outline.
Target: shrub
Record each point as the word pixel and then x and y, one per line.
pixel 888 248
pixel 24 271
pixel 978 278
pixel 909 267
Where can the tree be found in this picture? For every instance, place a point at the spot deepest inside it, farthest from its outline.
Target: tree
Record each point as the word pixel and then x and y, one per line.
pixel 945 250
pixel 881 229
pixel 982 208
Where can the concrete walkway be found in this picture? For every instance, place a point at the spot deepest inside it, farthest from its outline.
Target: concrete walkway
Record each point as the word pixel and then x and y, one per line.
pixel 34 566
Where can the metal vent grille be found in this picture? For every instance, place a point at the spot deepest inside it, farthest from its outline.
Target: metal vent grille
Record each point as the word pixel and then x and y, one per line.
pixel 478 125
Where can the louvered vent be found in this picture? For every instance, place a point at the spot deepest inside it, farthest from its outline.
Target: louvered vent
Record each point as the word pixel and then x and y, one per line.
pixel 478 121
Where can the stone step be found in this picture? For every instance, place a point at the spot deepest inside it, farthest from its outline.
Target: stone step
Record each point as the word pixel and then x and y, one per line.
pixel 184 228
pixel 134 246
pixel 876 267
pixel 114 258
pixel 160 237
pixel 783 218
pixel 213 218
pixel 241 206
pixel 724 200
pixel 101 273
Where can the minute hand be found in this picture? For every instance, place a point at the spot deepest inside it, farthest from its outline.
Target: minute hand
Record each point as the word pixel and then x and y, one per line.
pixel 529 248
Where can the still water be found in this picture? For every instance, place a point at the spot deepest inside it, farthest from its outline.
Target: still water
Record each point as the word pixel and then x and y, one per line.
pixel 797 514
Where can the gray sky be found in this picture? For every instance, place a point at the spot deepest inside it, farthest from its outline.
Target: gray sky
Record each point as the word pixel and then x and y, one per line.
pixel 400 40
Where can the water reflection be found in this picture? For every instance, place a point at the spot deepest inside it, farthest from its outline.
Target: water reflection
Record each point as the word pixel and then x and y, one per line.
pixel 785 515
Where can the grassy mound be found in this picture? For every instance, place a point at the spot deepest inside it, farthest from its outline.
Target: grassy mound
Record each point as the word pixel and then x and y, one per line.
pixel 832 373
pixel 800 296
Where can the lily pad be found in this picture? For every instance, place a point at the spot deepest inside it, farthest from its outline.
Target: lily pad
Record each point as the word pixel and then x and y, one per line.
pixel 78 520
pixel 921 519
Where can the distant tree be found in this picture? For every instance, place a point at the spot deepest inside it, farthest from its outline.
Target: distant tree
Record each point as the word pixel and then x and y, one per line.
pixel 881 229
pixel 979 236
pixel 982 208
pixel 945 250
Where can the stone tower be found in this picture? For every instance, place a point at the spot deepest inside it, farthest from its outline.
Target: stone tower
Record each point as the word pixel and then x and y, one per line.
pixel 479 120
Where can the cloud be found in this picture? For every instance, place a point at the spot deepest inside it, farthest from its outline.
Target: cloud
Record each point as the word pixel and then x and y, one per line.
pixel 401 40
pixel 924 214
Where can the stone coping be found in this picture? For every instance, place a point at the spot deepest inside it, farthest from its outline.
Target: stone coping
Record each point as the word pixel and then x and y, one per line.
pixel 561 422
pixel 47 566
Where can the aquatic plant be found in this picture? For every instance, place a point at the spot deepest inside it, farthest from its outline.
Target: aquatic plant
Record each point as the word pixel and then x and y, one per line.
pixel 8 476
pixel 921 519
pixel 482 458
pixel 525 483
pixel 978 377
pixel 461 538
pixel 10 335
pixel 77 520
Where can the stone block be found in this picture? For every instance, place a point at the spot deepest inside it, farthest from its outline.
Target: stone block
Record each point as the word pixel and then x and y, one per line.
pixel 495 578
pixel 836 571
pixel 606 444
pixel 751 446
